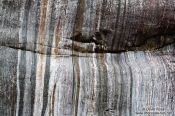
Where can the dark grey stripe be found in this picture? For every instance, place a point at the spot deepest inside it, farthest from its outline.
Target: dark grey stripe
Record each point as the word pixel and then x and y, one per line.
pixel 34 56
pixel 22 72
pixel 22 62
pixel 47 68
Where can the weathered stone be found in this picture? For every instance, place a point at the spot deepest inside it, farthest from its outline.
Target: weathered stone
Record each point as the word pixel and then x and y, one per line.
pixel 87 57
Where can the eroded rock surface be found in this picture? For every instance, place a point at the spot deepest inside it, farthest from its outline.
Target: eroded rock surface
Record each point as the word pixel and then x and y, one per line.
pixel 87 57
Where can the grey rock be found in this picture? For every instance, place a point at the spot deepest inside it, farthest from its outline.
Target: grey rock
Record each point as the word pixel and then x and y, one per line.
pixel 87 58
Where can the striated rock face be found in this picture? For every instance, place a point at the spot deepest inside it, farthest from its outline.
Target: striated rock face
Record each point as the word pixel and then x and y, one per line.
pixel 87 58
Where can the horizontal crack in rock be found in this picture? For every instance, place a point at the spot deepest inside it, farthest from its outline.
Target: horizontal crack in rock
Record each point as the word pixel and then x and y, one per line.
pixel 23 47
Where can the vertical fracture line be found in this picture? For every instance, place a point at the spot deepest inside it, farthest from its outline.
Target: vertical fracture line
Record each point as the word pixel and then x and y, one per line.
pixel 121 99
pixel 76 78
pixel 76 69
pixel 131 87
pixel 21 67
pixel 20 82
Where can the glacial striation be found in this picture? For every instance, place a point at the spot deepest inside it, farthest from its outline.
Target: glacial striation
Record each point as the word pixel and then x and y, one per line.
pixel 87 57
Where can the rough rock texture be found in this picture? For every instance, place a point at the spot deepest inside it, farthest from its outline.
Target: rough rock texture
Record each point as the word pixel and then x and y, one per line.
pixel 87 58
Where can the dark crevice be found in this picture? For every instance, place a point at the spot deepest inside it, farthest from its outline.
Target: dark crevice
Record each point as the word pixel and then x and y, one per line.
pixel 97 37
pixel 137 48
pixel 155 40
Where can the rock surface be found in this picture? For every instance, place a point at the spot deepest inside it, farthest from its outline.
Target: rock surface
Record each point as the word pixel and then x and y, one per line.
pixel 87 57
